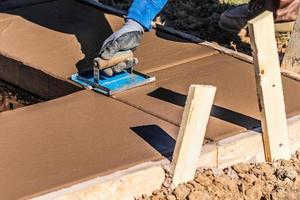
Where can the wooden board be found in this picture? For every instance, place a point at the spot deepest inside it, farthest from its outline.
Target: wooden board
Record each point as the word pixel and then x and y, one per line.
pixel 269 87
pixel 192 131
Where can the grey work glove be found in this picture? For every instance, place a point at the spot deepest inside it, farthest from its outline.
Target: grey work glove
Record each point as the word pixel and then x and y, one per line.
pixel 126 38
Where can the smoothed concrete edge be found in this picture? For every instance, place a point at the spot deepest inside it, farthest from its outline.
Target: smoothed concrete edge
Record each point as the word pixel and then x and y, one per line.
pixel 220 49
pixel 145 178
pixel 129 183
pixel 33 80
pixel 247 58
pixel 126 184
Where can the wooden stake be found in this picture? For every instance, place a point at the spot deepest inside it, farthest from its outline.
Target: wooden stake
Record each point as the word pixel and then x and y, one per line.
pixel 291 59
pixel 191 133
pixel 269 87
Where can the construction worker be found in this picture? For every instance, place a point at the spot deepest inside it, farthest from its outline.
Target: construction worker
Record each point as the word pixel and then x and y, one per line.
pixel 142 12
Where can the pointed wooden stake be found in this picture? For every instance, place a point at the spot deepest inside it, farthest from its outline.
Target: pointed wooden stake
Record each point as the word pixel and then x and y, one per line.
pixel 269 87
pixel 192 131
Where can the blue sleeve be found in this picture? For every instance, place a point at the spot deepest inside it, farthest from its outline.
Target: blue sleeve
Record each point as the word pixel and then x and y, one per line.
pixel 144 11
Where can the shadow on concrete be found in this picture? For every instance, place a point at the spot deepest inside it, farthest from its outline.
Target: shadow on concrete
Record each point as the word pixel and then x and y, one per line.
pixel 160 140
pixel 217 111
pixel 89 25
pixel 165 33
pixel 91 28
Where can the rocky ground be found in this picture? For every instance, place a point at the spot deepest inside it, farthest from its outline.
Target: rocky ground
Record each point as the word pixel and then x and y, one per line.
pixel 12 98
pixel 275 181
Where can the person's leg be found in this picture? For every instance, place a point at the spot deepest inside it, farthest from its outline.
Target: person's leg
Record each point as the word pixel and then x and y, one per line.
pixel 285 13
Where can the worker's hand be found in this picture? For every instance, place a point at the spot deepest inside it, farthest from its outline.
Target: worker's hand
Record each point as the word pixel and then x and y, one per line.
pixel 126 38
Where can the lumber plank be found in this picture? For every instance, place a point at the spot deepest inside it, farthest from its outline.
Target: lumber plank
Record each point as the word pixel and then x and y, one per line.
pixel 247 147
pixel 191 133
pixel 291 59
pixel 269 87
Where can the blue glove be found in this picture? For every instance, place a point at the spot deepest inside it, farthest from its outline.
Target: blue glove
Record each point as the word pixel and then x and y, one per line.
pixel 126 38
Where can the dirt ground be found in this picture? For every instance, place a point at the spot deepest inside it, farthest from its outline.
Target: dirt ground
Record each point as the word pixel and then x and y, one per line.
pixel 275 181
pixel 12 97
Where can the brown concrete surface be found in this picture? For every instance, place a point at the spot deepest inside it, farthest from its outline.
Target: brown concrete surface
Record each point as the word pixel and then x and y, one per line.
pixel 62 37
pixel 71 139
pixel 74 138
pixel 35 81
pixel 236 107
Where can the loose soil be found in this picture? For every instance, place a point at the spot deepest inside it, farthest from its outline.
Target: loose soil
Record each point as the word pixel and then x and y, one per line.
pixel 12 97
pixel 277 180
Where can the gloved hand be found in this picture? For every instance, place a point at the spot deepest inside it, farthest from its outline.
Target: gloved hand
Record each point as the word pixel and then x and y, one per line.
pixel 126 38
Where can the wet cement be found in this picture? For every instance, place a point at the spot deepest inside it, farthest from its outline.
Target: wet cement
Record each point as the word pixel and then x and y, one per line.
pixel 71 139
pixel 65 141
pixel 77 32
pixel 235 107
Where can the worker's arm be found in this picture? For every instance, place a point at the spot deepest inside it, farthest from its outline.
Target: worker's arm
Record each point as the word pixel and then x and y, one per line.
pixel 140 16
pixel 144 11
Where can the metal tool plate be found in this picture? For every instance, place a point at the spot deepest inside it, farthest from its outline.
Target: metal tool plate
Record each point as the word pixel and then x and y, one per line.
pixel 112 85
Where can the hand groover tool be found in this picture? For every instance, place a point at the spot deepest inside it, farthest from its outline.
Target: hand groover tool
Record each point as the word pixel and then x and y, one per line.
pixel 94 79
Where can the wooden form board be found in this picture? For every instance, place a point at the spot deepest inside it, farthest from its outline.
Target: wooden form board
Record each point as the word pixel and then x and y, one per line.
pixel 269 87
pixel 291 59
pixel 192 131
pixel 244 147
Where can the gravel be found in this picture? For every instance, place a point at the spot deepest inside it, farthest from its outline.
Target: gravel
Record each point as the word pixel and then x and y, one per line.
pixel 266 181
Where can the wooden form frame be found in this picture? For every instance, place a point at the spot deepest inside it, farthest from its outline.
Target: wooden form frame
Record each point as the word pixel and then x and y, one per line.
pixel 145 178
pixel 192 131
pixel 269 87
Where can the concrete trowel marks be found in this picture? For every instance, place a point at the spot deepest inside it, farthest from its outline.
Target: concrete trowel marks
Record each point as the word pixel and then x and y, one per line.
pixel 160 51
pixel 74 138
pixel 62 37
pixel 55 36
pixel 235 109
